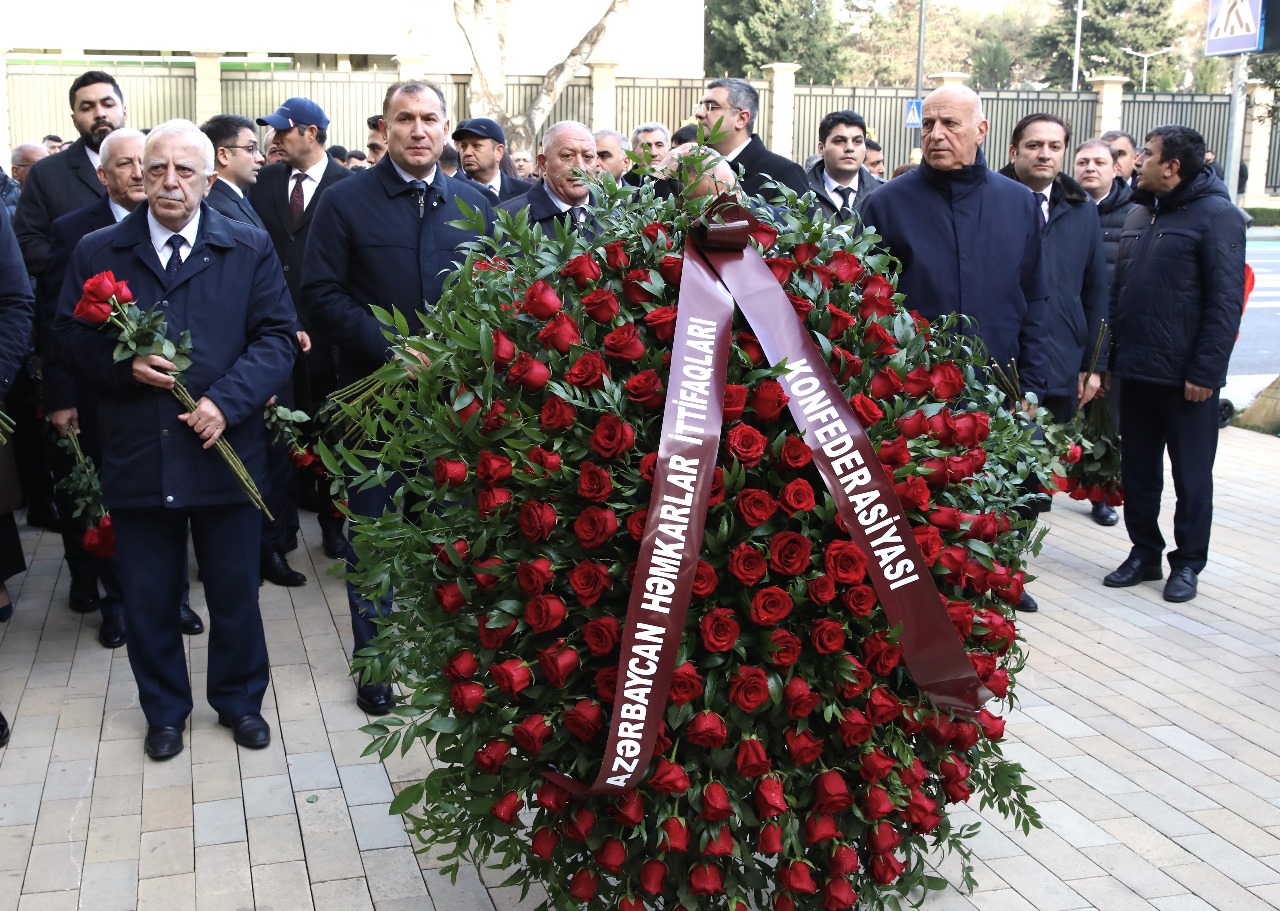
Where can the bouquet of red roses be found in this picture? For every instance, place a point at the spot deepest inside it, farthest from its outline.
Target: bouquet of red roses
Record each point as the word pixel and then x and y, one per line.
pixel 105 300
pixel 797 761
pixel 86 492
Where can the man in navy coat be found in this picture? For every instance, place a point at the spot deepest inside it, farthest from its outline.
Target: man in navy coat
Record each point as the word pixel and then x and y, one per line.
pixel 384 239
pixel 560 196
pixel 221 281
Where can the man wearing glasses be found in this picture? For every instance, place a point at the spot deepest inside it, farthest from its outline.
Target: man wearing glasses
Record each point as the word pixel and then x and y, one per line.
pixel 728 111
pixel 237 160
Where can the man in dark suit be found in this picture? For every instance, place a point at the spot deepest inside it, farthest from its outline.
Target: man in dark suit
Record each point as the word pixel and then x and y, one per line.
pixel 221 281
pixel 285 198
pixel 728 109
pixel 840 180
pixel 481 146
pixel 384 239
pixel 560 197
pixel 237 160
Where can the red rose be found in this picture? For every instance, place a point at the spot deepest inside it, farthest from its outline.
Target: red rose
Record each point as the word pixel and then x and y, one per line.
pixel 615 256
pixel 930 543
pixel 512 675
pixel 579 825
pixel 799 698
pixel 544 613
pixel 913 775
pixel 611 855
pixel 961 614
pixel 715 803
pixel 461 666
pixel 837 891
pixel 820 590
pixel 840 322
pixel 771 605
pixel 560 334
pixel 972 428
pixel 606 681
pixel 992 725
pixel 633 290
pixel 886 868
pixel 675 832
pixel 557 663
pixel 859 600
pixel 735 402
pixel 536 520
pixel 803 746
pixel 818 828
pixel 881 655
pixel 883 706
pixel 768 400
pixel 770 798
pixel 877 298
pixel 770 841
pixel 719 629
pixel 449 472
pixel 781 268
pixel 595 526
pixel 846 267
pixel 831 793
pixel 885 383
pixel 706 879
pixel 534 576
pixel 844 861
pixel 894 453
pixel 854 677
pixel 845 562
pixel 746 564
pixel 921 812
pixel 751 760
pixel 494 637
pixel 507 807
pixel 466 697
pixel 705 580
pixel 658 234
pixel 854 728
pixel 764 235
pixel 492 469
pixel 686 684
pixel 624 343
pixel 948 381
pixel 583 269
pixel 750 346
pixel 648 466
pixel 797 876
pixel 669 778
pixel 746 444
pixel 95 300
pixel 748 688
pixel 797 496
pixel 646 390
pixel 594 483
pixel 587 372
pixel 707 729
pixel 784 648
pixel 601 634
pixel 789 553
pixel 913 425
pixel 584 720
pixel 876 803
pixel 540 301
pixel 876 765
pixel 671 269
pixel 827 636
pixel 601 305
pixel 448 594
pixel 557 414
pixel 866 410
pixel 492 756
pixel 795 453
pixel 653 877
pixel 531 734
pixel 948 518
pixel 884 838
pixel 755 506
pixel 612 437
pixel 913 492
pixel 549 461
pixel 661 320
pixel 583 884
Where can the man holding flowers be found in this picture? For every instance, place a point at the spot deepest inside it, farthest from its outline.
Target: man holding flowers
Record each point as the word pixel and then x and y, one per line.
pixel 219 281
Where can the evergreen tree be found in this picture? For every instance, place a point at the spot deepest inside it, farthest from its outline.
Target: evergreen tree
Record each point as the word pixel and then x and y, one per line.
pixel 991 65
pixel 744 35
pixel 1109 25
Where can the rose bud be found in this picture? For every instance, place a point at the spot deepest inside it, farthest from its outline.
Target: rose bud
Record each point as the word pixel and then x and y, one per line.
pixel 653 876
pixel 751 759
pixel 507 807
pixel 491 757
pixel 540 301
pixel 675 835
pixel 583 885
pixel 992 726
pixel 783 902
pixel 629 810
pixel 580 824
pixel 557 663
pixel 584 720
pixel 630 903
pixel 799 697
pixel 706 879
pixel 611 855
pixel 803 746
pixel 876 803
pixel 770 840
pixel 544 843
pixel 450 472
pixel 466 697
pixel 531 733
pixel 797 876
pixel 552 796
pixel 837 893
pixel 715 803
pixel 770 798
pixel 876 765
pixel 720 845
pixel 886 868
pixel 844 861
pixel 818 828
pixel 669 778
pixel 854 728
pixel 449 597
pixel 884 838
pixel 831 793
pixel 707 729
pixel 512 676
pixel 461 666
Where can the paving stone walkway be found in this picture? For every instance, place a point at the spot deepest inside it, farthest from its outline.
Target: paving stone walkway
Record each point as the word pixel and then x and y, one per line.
pixel 1151 730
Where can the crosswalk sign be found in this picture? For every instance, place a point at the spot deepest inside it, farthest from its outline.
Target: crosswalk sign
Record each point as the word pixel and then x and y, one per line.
pixel 1235 27
pixel 913 114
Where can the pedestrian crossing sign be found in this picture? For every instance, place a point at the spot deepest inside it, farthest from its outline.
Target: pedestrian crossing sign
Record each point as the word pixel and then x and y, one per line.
pixel 1235 27
pixel 913 114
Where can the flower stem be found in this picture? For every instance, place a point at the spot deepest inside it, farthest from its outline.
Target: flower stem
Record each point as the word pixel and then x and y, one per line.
pixel 228 454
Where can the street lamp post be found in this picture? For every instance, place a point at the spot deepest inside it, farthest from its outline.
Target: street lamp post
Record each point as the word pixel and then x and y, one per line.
pixel 1145 58
pixel 1075 61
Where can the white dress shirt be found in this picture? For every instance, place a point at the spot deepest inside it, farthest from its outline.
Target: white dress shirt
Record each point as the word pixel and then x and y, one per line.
pixel 160 237
pixel 832 188
pixel 314 174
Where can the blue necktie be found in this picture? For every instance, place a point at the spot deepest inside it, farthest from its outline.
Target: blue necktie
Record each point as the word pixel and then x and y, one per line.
pixel 175 258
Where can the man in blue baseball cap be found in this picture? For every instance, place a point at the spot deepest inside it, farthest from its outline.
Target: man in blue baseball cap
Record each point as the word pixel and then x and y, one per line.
pixel 481 146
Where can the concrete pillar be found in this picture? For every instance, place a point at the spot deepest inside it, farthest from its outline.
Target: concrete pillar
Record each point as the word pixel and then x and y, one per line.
pixel 1257 145
pixel 941 79
pixel 344 63
pixel 208 84
pixel 1110 111
pixel 7 142
pixel 411 66
pixel 782 115
pixel 604 96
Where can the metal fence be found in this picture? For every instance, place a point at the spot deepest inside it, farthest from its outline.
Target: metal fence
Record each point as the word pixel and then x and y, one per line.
pixel 1004 110
pixel 154 91
pixel 1207 114
pixel 668 101
pixel 1273 166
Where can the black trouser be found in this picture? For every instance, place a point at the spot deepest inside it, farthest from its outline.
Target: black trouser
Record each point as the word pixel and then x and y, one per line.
pixel 1157 417
pixel 28 439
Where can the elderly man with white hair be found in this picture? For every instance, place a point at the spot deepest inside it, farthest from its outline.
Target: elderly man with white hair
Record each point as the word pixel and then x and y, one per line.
pixel 220 281
pixel 562 194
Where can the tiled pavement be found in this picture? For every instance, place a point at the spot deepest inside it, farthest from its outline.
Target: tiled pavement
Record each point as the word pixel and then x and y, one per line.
pixel 1151 730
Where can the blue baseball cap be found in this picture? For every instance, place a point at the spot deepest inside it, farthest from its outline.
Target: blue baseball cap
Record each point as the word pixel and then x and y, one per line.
pixel 296 112
pixel 482 127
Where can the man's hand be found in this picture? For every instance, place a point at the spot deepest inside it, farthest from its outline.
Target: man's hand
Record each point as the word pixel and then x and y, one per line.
pixel 421 358
pixel 154 370
pixel 1029 408
pixel 207 420
pixel 1087 388
pixel 65 420
pixel 304 341
pixel 1196 393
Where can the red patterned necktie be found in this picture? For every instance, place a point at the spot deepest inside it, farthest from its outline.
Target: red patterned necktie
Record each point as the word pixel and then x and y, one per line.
pixel 297 202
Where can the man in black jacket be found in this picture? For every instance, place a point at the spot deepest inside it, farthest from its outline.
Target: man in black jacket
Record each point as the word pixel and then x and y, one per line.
pixel 481 147
pixel 1175 307
pixel 728 109
pixel 560 196
pixel 237 161
pixel 840 180
pixel 386 239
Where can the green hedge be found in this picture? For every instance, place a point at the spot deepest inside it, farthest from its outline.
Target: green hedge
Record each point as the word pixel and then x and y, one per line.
pixel 1265 218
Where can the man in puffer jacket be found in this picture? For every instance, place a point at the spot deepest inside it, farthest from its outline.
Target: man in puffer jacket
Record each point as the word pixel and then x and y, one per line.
pixel 1176 302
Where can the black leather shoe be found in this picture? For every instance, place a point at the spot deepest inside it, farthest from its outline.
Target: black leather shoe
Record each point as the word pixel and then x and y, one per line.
pixel 250 731
pixel 111 635
pixel 44 515
pixel 1105 515
pixel 276 570
pixel 331 536
pixel 163 742
pixel 1133 571
pixel 1027 605
pixel 4 732
pixel 192 625
pixel 374 699
pixel 1181 585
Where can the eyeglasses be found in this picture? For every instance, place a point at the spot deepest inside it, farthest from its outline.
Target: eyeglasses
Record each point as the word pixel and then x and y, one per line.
pixel 710 107
pixel 252 148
